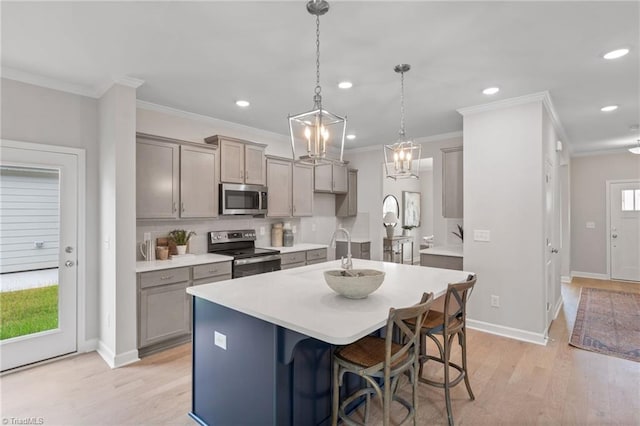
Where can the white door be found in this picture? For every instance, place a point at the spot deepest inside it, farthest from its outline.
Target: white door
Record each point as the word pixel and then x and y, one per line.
pixel 625 231
pixel 39 318
pixel 550 241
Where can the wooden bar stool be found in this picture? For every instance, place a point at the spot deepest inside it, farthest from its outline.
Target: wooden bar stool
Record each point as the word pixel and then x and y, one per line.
pixel 448 324
pixel 375 358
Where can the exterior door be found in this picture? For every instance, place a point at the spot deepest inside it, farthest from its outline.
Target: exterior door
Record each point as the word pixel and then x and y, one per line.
pixel 625 231
pixel 39 205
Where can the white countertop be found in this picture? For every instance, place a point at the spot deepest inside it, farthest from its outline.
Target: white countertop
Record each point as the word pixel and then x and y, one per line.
pixel 197 259
pixel 300 300
pixel 298 247
pixel 355 240
pixel 454 251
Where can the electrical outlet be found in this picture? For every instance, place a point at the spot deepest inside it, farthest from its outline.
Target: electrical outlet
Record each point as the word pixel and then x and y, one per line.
pixel 481 235
pixel 495 301
pixel 220 340
pixel 294 229
pixel 591 225
pixel 262 230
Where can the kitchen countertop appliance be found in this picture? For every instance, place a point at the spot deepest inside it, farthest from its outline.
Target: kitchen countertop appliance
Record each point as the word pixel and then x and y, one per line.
pixel 247 259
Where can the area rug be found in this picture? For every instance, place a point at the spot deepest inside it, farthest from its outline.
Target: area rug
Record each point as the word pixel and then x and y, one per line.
pixel 608 322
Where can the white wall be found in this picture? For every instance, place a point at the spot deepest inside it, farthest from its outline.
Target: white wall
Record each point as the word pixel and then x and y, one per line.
pixel 588 204
pixel 369 164
pixel 503 190
pixel 118 313
pixel 36 114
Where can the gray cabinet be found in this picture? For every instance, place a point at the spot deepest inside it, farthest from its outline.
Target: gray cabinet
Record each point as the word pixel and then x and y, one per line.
pixel 279 181
pixel 302 190
pixel 157 177
pixel 316 256
pixel 198 184
pixel 330 178
pixel 293 260
pixel 359 250
pixel 240 161
pixel 452 182
pixel 347 204
pixel 164 307
pixel 439 261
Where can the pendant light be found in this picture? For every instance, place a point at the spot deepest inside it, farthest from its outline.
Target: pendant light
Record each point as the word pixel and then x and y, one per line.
pixel 319 134
pixel 402 159
pixel 635 149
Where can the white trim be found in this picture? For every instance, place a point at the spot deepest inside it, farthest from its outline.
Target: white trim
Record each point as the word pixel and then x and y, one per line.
pixel 565 280
pixel 123 81
pixel 216 122
pixel 557 308
pixel 512 333
pixel 81 249
pixel 420 140
pixel 591 275
pixel 49 83
pixel 116 361
pixel 88 345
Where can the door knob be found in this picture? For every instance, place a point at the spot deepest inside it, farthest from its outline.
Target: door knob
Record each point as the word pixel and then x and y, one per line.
pixel 68 263
pixel 69 249
pixel 554 250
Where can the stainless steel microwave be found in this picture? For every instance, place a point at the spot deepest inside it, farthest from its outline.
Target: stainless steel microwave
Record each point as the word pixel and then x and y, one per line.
pixel 243 199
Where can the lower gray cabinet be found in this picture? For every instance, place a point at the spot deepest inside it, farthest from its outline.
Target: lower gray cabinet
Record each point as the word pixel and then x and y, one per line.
pixel 293 260
pixel 359 250
pixel 316 256
pixel 164 313
pixel 439 261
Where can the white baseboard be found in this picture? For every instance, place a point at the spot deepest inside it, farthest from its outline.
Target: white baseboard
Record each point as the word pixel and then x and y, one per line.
pixel 593 275
pixel 557 307
pixel 565 280
pixel 87 345
pixel 116 361
pixel 512 333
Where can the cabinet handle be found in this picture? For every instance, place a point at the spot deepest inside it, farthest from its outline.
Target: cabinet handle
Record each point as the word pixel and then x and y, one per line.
pixel 182 206
pixel 213 271
pixel 175 208
pixel 246 174
pixel 166 277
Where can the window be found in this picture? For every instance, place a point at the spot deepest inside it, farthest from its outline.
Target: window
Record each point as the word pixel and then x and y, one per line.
pixel 630 200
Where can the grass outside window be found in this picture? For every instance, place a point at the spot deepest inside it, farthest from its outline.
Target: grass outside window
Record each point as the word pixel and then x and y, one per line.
pixel 24 312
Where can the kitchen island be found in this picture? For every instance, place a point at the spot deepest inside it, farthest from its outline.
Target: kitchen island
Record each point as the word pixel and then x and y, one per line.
pixel 262 344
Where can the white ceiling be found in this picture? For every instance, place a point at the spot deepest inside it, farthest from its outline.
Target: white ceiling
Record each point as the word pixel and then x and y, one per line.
pixel 203 56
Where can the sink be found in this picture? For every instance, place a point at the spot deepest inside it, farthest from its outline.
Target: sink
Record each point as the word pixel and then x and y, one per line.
pixel 354 283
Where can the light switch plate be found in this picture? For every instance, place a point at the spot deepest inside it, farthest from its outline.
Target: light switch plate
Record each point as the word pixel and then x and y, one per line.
pixel 481 235
pixel 294 229
pixel 262 230
pixel 220 340
pixel 591 225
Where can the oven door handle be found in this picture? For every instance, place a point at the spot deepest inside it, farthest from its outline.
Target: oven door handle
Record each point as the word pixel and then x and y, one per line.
pixel 250 260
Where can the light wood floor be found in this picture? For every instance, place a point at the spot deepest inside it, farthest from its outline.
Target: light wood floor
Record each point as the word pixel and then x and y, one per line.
pixel 515 383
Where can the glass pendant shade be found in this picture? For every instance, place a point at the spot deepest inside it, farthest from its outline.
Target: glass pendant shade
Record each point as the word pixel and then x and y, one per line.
pixel 402 159
pixel 317 136
pixel 635 149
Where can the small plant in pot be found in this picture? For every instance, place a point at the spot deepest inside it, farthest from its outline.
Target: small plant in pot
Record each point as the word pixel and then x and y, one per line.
pixel 181 238
pixel 406 230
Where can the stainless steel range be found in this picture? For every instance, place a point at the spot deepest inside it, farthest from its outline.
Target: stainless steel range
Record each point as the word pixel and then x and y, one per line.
pixel 247 259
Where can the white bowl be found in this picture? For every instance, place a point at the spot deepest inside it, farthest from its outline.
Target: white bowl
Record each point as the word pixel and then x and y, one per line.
pixel 354 283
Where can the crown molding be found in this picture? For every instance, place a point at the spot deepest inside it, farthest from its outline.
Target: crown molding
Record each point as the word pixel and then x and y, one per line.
pixel 122 80
pixel 47 82
pixel 216 122
pixel 420 140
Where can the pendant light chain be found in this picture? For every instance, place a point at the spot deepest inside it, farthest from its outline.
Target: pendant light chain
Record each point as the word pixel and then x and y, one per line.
pixel 318 88
pixel 402 133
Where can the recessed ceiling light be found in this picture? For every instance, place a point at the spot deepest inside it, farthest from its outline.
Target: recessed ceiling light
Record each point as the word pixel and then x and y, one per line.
pixel 609 108
pixel 351 136
pixel 615 54
pixel 491 90
pixel 242 104
pixel 345 85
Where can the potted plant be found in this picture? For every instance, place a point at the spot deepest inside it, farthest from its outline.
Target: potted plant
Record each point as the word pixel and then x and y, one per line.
pixel 406 230
pixel 181 238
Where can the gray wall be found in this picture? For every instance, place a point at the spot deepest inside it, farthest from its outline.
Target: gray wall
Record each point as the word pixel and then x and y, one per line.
pixel 588 204
pixel 39 115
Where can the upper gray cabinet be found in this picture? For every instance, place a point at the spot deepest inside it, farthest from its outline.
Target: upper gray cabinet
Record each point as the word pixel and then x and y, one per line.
pixel 302 189
pixel 331 178
pixel 452 182
pixel 347 204
pixel 279 181
pixel 198 188
pixel 175 179
pixel 240 161
pixel 157 179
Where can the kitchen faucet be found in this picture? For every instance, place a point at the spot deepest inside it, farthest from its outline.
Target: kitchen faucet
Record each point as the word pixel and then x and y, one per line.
pixel 345 263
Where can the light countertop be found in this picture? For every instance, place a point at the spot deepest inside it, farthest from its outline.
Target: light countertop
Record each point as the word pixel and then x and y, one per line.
pixel 197 259
pixel 298 247
pixel 454 251
pixel 286 298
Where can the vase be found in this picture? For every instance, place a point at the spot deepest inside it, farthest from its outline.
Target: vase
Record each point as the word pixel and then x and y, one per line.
pixel 181 249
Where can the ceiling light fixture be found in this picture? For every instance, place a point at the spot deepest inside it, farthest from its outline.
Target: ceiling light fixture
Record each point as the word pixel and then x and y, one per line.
pixel 635 149
pixel 320 130
pixel 615 54
pixel 351 136
pixel 242 104
pixel 609 108
pixel 345 85
pixel 491 90
pixel 404 154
